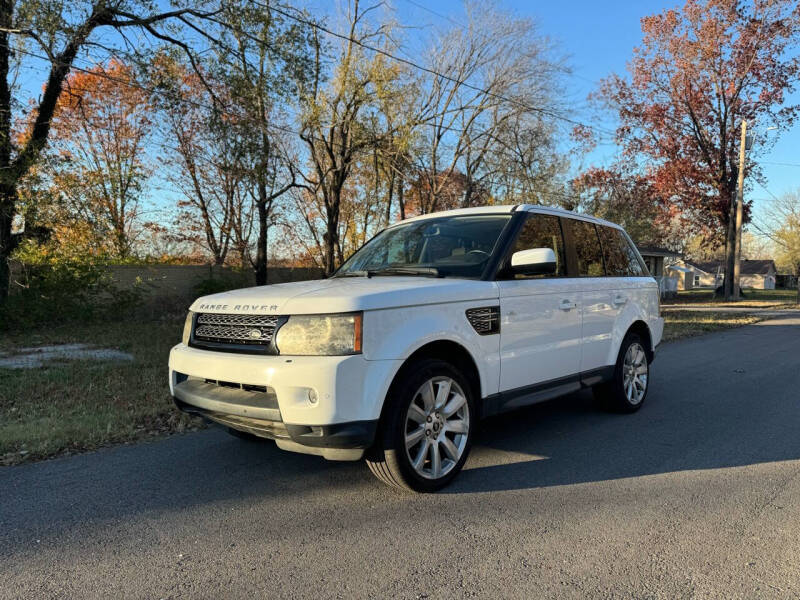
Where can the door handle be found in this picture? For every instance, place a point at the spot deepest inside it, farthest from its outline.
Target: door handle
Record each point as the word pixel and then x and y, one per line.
pixel 567 304
pixel 619 300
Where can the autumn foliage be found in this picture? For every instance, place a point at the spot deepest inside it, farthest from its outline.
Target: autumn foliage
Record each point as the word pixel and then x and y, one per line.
pixel 699 71
pixel 102 122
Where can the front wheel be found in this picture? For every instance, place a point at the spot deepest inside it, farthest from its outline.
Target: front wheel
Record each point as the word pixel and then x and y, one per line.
pixel 427 429
pixel 628 390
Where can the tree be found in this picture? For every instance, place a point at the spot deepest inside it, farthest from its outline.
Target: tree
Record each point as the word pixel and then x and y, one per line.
pixel 699 71
pixel 262 61
pixel 451 189
pixel 526 165
pixel 102 122
pixel 485 79
pixel 60 31
pixel 783 228
pixel 626 199
pixel 755 246
pixel 207 161
pixel 394 122
pixel 332 119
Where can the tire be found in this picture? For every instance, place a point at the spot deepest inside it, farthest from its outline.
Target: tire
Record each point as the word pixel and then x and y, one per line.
pixel 627 391
pixel 426 430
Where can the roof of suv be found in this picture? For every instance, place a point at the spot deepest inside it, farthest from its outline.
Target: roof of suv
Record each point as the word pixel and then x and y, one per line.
pixel 510 208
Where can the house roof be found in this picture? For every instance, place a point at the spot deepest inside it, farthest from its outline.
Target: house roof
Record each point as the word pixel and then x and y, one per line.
pixel 655 251
pixel 679 268
pixel 747 267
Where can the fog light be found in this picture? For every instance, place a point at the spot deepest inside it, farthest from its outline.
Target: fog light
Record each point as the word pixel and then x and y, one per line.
pixel 312 396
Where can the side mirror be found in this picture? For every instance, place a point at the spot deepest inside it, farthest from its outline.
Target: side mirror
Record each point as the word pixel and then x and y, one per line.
pixel 536 261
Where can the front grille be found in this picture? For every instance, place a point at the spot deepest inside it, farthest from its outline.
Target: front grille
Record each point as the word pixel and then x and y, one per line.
pixel 235 329
pixel 485 320
pixel 242 386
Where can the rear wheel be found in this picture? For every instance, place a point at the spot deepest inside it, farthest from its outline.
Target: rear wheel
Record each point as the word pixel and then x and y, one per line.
pixel 426 432
pixel 628 390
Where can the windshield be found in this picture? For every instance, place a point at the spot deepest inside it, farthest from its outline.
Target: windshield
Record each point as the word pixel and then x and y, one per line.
pixel 455 246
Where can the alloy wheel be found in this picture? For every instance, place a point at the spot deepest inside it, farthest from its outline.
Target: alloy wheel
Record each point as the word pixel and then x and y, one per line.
pixel 436 427
pixel 634 373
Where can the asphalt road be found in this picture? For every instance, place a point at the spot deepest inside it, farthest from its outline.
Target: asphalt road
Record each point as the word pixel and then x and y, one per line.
pixel 695 496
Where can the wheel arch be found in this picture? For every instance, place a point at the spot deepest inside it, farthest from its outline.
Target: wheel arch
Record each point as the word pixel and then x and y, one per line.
pixel 448 351
pixel 640 328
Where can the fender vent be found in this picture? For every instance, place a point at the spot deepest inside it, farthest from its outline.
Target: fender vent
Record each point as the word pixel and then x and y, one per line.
pixel 485 320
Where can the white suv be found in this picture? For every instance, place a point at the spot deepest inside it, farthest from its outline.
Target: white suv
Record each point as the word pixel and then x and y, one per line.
pixel 436 322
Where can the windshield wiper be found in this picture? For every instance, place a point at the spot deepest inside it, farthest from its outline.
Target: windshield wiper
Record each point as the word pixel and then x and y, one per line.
pixel 356 274
pixel 424 271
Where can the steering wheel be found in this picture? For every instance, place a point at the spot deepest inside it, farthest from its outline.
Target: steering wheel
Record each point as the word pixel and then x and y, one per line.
pixel 478 252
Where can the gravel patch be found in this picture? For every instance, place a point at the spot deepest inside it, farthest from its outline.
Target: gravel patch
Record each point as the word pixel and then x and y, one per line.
pixel 34 358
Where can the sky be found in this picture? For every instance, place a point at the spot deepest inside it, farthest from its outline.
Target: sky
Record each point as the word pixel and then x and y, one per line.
pixel 598 37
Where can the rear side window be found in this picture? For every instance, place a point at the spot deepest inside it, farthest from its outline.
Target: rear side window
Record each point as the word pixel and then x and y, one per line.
pixel 635 267
pixel 621 260
pixel 542 231
pixel 614 252
pixel 587 248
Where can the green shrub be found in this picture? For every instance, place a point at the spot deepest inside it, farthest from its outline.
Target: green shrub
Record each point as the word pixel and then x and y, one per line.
pixel 51 290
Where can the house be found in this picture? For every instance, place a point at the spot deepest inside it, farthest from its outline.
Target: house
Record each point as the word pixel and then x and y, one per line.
pixel 655 258
pixel 692 275
pixel 754 274
pixel 758 274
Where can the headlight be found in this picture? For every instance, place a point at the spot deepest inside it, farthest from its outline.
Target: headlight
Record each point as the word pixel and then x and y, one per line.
pixel 187 329
pixel 320 335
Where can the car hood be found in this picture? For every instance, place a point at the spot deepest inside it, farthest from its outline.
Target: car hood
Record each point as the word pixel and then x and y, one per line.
pixel 345 294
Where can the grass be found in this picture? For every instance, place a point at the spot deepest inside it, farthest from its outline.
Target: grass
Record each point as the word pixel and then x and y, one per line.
pixel 74 406
pixel 682 324
pixel 687 323
pixel 752 298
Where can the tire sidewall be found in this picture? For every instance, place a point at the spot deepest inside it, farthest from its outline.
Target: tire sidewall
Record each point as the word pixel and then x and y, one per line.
pixel 394 427
pixel 619 383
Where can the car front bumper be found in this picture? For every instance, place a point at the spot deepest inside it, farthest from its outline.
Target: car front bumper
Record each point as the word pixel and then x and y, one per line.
pixel 325 405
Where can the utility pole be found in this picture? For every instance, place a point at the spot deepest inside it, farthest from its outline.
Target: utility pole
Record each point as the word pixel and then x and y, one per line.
pixel 798 282
pixel 737 251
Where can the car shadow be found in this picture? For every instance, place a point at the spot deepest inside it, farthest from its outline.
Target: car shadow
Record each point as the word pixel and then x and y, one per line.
pixel 735 406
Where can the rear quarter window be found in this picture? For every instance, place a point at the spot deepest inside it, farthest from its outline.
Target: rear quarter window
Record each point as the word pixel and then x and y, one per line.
pixel 619 255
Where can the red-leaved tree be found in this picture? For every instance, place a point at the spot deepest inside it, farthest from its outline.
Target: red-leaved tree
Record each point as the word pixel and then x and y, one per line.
pixel 698 73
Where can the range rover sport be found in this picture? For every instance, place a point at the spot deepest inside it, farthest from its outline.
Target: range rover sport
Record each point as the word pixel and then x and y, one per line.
pixel 438 321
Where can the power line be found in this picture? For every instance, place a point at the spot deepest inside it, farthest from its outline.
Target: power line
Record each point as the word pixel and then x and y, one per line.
pixel 181 99
pixel 430 71
pixel 201 105
pixel 779 164
pixel 438 14
pixel 764 231
pixel 774 197
pixel 358 42
pixel 463 26
pixel 152 90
